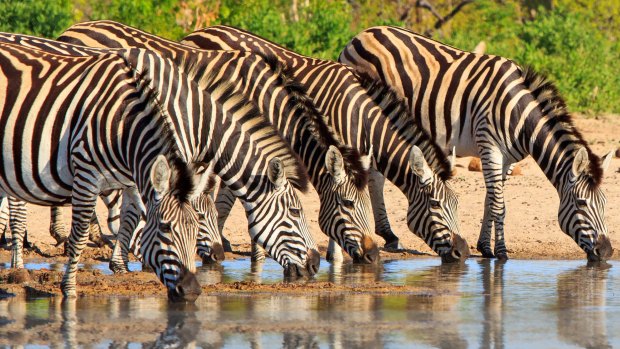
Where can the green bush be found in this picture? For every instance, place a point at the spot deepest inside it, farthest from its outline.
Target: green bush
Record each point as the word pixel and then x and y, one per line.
pixel 567 45
pixel 155 16
pixel 41 18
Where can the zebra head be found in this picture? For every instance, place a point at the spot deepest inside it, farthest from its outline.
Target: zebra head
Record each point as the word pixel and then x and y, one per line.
pixel 433 210
pixel 582 208
pixel 277 223
pixel 168 243
pixel 209 242
pixel 345 208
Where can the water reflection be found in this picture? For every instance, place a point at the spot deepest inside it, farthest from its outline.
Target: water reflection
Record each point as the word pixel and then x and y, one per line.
pixel 493 308
pixel 581 305
pixel 458 306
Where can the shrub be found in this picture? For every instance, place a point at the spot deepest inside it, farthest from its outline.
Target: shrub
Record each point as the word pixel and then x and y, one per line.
pixel 41 18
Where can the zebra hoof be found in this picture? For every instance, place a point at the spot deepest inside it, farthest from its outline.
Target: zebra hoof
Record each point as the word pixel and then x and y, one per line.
pixel 485 251
pixel 501 256
pixel 393 246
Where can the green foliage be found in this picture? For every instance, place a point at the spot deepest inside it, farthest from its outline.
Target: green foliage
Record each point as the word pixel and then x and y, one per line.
pixel 567 45
pixel 577 56
pixel 155 16
pixel 41 18
pixel 576 43
pixel 320 30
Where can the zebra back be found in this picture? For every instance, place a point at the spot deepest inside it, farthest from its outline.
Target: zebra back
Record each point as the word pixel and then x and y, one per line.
pixel 360 123
pixel 264 80
pixel 489 106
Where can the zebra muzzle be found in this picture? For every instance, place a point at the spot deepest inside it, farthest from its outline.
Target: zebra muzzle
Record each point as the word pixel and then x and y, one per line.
pixel 187 290
pixel 459 251
pixel 217 254
pixel 368 254
pixel 602 251
pixel 294 271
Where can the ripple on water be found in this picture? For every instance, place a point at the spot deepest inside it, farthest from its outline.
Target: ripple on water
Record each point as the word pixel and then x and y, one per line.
pixel 482 303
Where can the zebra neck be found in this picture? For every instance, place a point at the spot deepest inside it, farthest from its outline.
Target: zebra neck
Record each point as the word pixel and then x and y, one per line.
pixel 553 148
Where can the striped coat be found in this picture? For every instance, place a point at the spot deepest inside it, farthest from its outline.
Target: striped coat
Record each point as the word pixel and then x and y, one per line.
pixel 490 107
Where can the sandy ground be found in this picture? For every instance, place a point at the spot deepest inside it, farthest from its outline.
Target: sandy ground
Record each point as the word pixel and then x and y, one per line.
pixel 532 231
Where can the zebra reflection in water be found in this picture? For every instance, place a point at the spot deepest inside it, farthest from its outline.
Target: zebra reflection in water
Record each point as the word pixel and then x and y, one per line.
pixel 581 305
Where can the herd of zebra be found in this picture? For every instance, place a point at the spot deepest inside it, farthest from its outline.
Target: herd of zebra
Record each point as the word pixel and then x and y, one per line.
pixel 152 126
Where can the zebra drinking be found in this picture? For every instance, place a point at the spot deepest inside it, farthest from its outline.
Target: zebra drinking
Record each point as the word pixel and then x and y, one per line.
pixel 276 220
pixel 369 117
pixel 337 172
pixel 488 106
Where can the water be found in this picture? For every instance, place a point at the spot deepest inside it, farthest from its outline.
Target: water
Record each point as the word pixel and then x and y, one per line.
pixel 486 304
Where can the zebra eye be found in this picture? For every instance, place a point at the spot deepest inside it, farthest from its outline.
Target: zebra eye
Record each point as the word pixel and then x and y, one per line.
pixel 582 202
pixel 434 203
pixel 165 227
pixel 348 203
pixel 295 212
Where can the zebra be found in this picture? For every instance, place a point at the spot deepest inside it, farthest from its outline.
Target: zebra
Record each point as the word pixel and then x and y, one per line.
pixel 208 242
pixel 277 240
pixel 265 185
pixel 55 152
pixel 489 106
pixel 366 113
pixel 338 173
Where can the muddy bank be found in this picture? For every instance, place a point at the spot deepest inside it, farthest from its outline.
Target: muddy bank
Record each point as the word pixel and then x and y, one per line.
pixel 94 283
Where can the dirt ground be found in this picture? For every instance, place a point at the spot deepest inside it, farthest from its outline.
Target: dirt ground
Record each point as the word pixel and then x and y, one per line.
pixel 532 231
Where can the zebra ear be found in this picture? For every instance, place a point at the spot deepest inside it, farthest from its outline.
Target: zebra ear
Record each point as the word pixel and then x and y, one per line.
pixel 203 174
pixel 418 164
pixel 367 159
pixel 160 175
pixel 580 162
pixel 607 161
pixel 335 163
pixel 275 171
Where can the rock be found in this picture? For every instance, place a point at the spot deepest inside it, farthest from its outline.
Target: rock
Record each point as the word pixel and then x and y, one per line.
pixel 475 165
pixel 517 171
pixel 19 276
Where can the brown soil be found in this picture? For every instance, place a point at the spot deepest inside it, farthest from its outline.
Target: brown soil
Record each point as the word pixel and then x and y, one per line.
pixel 532 231
pixel 93 283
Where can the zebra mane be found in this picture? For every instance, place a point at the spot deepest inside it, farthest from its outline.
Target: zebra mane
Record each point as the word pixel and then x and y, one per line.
pixel 181 180
pixel 352 159
pixel 246 112
pixel 395 108
pixel 554 107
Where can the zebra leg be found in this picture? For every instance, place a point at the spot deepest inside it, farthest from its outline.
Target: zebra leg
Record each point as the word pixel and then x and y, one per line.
pixel 131 214
pixel 382 224
pixel 57 229
pixel 83 202
pixel 17 222
pixel 500 243
pixel 112 200
pixel 494 208
pixel 4 219
pixel 224 203
pixel 94 232
pixel 258 253
pixel 334 252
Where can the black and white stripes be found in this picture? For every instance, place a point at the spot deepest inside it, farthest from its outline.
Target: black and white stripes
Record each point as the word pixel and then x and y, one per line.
pixel 362 118
pixel 338 173
pixel 490 107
